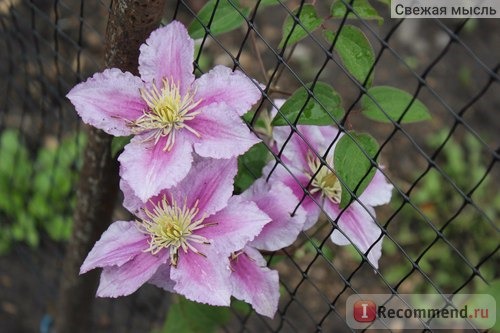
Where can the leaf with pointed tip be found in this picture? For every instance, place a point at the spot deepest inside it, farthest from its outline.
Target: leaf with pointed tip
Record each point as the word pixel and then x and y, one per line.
pixel 362 8
pixel 309 20
pixel 355 51
pixel 394 102
pixel 352 165
pixel 118 143
pixel 250 166
pixel 321 107
pixel 226 18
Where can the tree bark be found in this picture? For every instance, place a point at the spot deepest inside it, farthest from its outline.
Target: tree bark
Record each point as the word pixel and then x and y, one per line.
pixel 130 23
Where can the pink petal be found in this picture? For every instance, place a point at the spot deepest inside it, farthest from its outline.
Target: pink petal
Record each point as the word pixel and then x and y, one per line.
pixel 320 137
pixel 118 245
pixel 254 283
pixel 313 210
pixel 235 225
pixel 222 85
pixel 278 102
pixel 109 100
pixel 360 229
pixel 378 192
pixel 168 53
pixel 295 149
pixel 124 280
pixel 295 183
pixel 280 130
pixel 162 279
pixel 203 279
pixel 210 182
pixel 223 133
pixel 130 200
pixel 317 138
pixel 277 201
pixel 293 178
pixel 148 169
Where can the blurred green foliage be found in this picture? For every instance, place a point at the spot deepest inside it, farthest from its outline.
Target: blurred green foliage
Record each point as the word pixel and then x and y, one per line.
pixel 185 316
pixel 472 231
pixel 37 192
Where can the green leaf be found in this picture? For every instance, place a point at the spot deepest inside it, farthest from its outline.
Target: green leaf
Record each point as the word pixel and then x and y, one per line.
pixel 189 317
pixel 355 51
pixel 361 7
pixel 352 165
pixel 394 102
pixel 118 143
pixel 259 122
pixel 309 19
pixel 250 166
pixel 205 58
pixel 314 113
pixel 226 18
pixel 240 306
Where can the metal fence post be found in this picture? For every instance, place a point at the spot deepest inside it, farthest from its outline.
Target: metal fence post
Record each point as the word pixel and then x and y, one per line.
pixel 129 24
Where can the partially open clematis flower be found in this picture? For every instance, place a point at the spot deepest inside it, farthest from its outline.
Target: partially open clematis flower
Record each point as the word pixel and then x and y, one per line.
pixel 325 189
pixel 182 238
pixel 169 113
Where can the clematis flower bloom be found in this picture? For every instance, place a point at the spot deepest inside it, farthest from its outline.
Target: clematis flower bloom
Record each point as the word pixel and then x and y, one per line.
pixel 169 113
pixel 182 239
pixel 355 222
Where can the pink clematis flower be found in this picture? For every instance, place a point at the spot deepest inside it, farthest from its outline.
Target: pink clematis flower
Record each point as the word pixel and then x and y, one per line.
pixel 169 113
pixel 182 239
pixel 325 189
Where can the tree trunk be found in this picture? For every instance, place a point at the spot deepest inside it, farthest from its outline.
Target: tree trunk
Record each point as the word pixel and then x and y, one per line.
pixel 130 23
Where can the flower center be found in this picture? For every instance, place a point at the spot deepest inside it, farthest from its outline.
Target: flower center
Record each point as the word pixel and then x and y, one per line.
pixel 325 181
pixel 172 226
pixel 167 112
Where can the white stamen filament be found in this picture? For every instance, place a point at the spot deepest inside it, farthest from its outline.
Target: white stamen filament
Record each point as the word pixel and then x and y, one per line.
pixel 324 181
pixel 167 113
pixel 171 226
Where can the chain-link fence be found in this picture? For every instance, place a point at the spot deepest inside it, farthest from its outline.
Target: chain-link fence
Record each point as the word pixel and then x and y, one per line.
pixel 440 229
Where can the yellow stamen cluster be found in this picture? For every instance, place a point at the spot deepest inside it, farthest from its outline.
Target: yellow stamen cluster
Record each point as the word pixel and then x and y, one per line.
pixel 324 181
pixel 171 226
pixel 167 112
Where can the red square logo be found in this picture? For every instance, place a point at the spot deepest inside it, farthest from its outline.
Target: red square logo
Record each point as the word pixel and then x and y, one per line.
pixel 365 311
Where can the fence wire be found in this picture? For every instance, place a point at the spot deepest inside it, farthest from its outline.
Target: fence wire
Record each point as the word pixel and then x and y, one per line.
pixel 440 230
